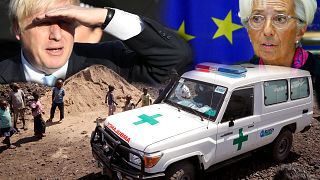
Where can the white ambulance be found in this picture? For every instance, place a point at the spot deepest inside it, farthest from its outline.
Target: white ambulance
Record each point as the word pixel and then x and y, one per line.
pixel 210 117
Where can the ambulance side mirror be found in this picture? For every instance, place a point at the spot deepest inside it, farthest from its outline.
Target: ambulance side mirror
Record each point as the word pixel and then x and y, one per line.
pixel 231 123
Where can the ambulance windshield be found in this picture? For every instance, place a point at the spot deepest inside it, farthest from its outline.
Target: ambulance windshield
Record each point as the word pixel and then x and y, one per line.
pixel 197 97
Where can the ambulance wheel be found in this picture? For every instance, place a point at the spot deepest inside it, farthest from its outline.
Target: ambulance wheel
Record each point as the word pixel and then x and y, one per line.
pixel 182 170
pixel 282 145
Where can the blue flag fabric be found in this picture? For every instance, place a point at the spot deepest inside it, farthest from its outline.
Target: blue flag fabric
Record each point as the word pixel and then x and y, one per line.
pixel 211 27
pixel 316 21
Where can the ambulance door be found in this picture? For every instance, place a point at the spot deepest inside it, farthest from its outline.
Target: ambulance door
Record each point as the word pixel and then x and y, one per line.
pixel 237 128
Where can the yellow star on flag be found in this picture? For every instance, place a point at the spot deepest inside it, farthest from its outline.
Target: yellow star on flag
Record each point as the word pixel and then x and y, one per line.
pixel 183 34
pixel 225 27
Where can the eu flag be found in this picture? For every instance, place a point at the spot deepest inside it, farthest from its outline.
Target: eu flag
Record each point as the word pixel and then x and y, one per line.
pixel 316 25
pixel 211 27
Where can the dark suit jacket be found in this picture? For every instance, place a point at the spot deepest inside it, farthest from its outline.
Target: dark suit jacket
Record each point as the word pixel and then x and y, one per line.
pixel 147 57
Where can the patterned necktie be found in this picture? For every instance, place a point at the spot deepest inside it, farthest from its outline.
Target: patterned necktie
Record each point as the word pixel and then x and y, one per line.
pixel 49 80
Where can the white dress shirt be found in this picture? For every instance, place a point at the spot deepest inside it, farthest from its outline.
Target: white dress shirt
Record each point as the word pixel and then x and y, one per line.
pixel 34 75
pixel 124 25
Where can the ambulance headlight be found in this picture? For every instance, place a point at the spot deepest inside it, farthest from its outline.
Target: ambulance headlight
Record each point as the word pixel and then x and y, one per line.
pixel 135 159
pixel 150 160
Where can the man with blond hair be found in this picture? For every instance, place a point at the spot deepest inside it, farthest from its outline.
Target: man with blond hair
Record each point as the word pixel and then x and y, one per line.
pixel 145 52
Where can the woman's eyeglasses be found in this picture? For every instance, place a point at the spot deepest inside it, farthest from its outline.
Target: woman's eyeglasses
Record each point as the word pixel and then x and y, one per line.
pixel 278 21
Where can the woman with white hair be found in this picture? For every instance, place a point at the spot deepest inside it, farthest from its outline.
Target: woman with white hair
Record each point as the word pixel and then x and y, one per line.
pixel 275 28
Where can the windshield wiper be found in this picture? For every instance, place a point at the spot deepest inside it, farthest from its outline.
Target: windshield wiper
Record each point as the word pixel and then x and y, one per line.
pixel 187 108
pixel 173 104
pixel 196 113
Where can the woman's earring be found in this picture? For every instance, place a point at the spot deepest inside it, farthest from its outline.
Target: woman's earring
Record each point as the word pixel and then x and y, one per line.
pixel 298 44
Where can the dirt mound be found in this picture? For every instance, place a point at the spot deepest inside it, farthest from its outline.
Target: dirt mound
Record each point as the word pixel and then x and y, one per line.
pixel 86 90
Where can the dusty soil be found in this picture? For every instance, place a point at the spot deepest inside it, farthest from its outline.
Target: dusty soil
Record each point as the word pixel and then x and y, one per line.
pixel 65 152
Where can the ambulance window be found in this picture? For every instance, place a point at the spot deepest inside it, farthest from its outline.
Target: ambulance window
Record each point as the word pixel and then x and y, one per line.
pixel 240 105
pixel 299 88
pixel 275 92
pixel 197 97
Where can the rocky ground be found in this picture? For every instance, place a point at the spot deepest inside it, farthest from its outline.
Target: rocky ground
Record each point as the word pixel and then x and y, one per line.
pixel 65 152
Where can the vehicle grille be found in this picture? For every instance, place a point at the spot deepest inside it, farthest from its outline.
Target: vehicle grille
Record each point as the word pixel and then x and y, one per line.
pixel 120 151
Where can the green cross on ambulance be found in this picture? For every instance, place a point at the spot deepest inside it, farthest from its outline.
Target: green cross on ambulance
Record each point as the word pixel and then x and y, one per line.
pixel 210 117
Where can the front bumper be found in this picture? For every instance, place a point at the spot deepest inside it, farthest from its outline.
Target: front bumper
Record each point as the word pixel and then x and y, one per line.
pixel 112 153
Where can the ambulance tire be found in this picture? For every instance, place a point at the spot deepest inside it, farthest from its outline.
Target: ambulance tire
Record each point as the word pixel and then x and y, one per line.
pixel 282 145
pixel 183 170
